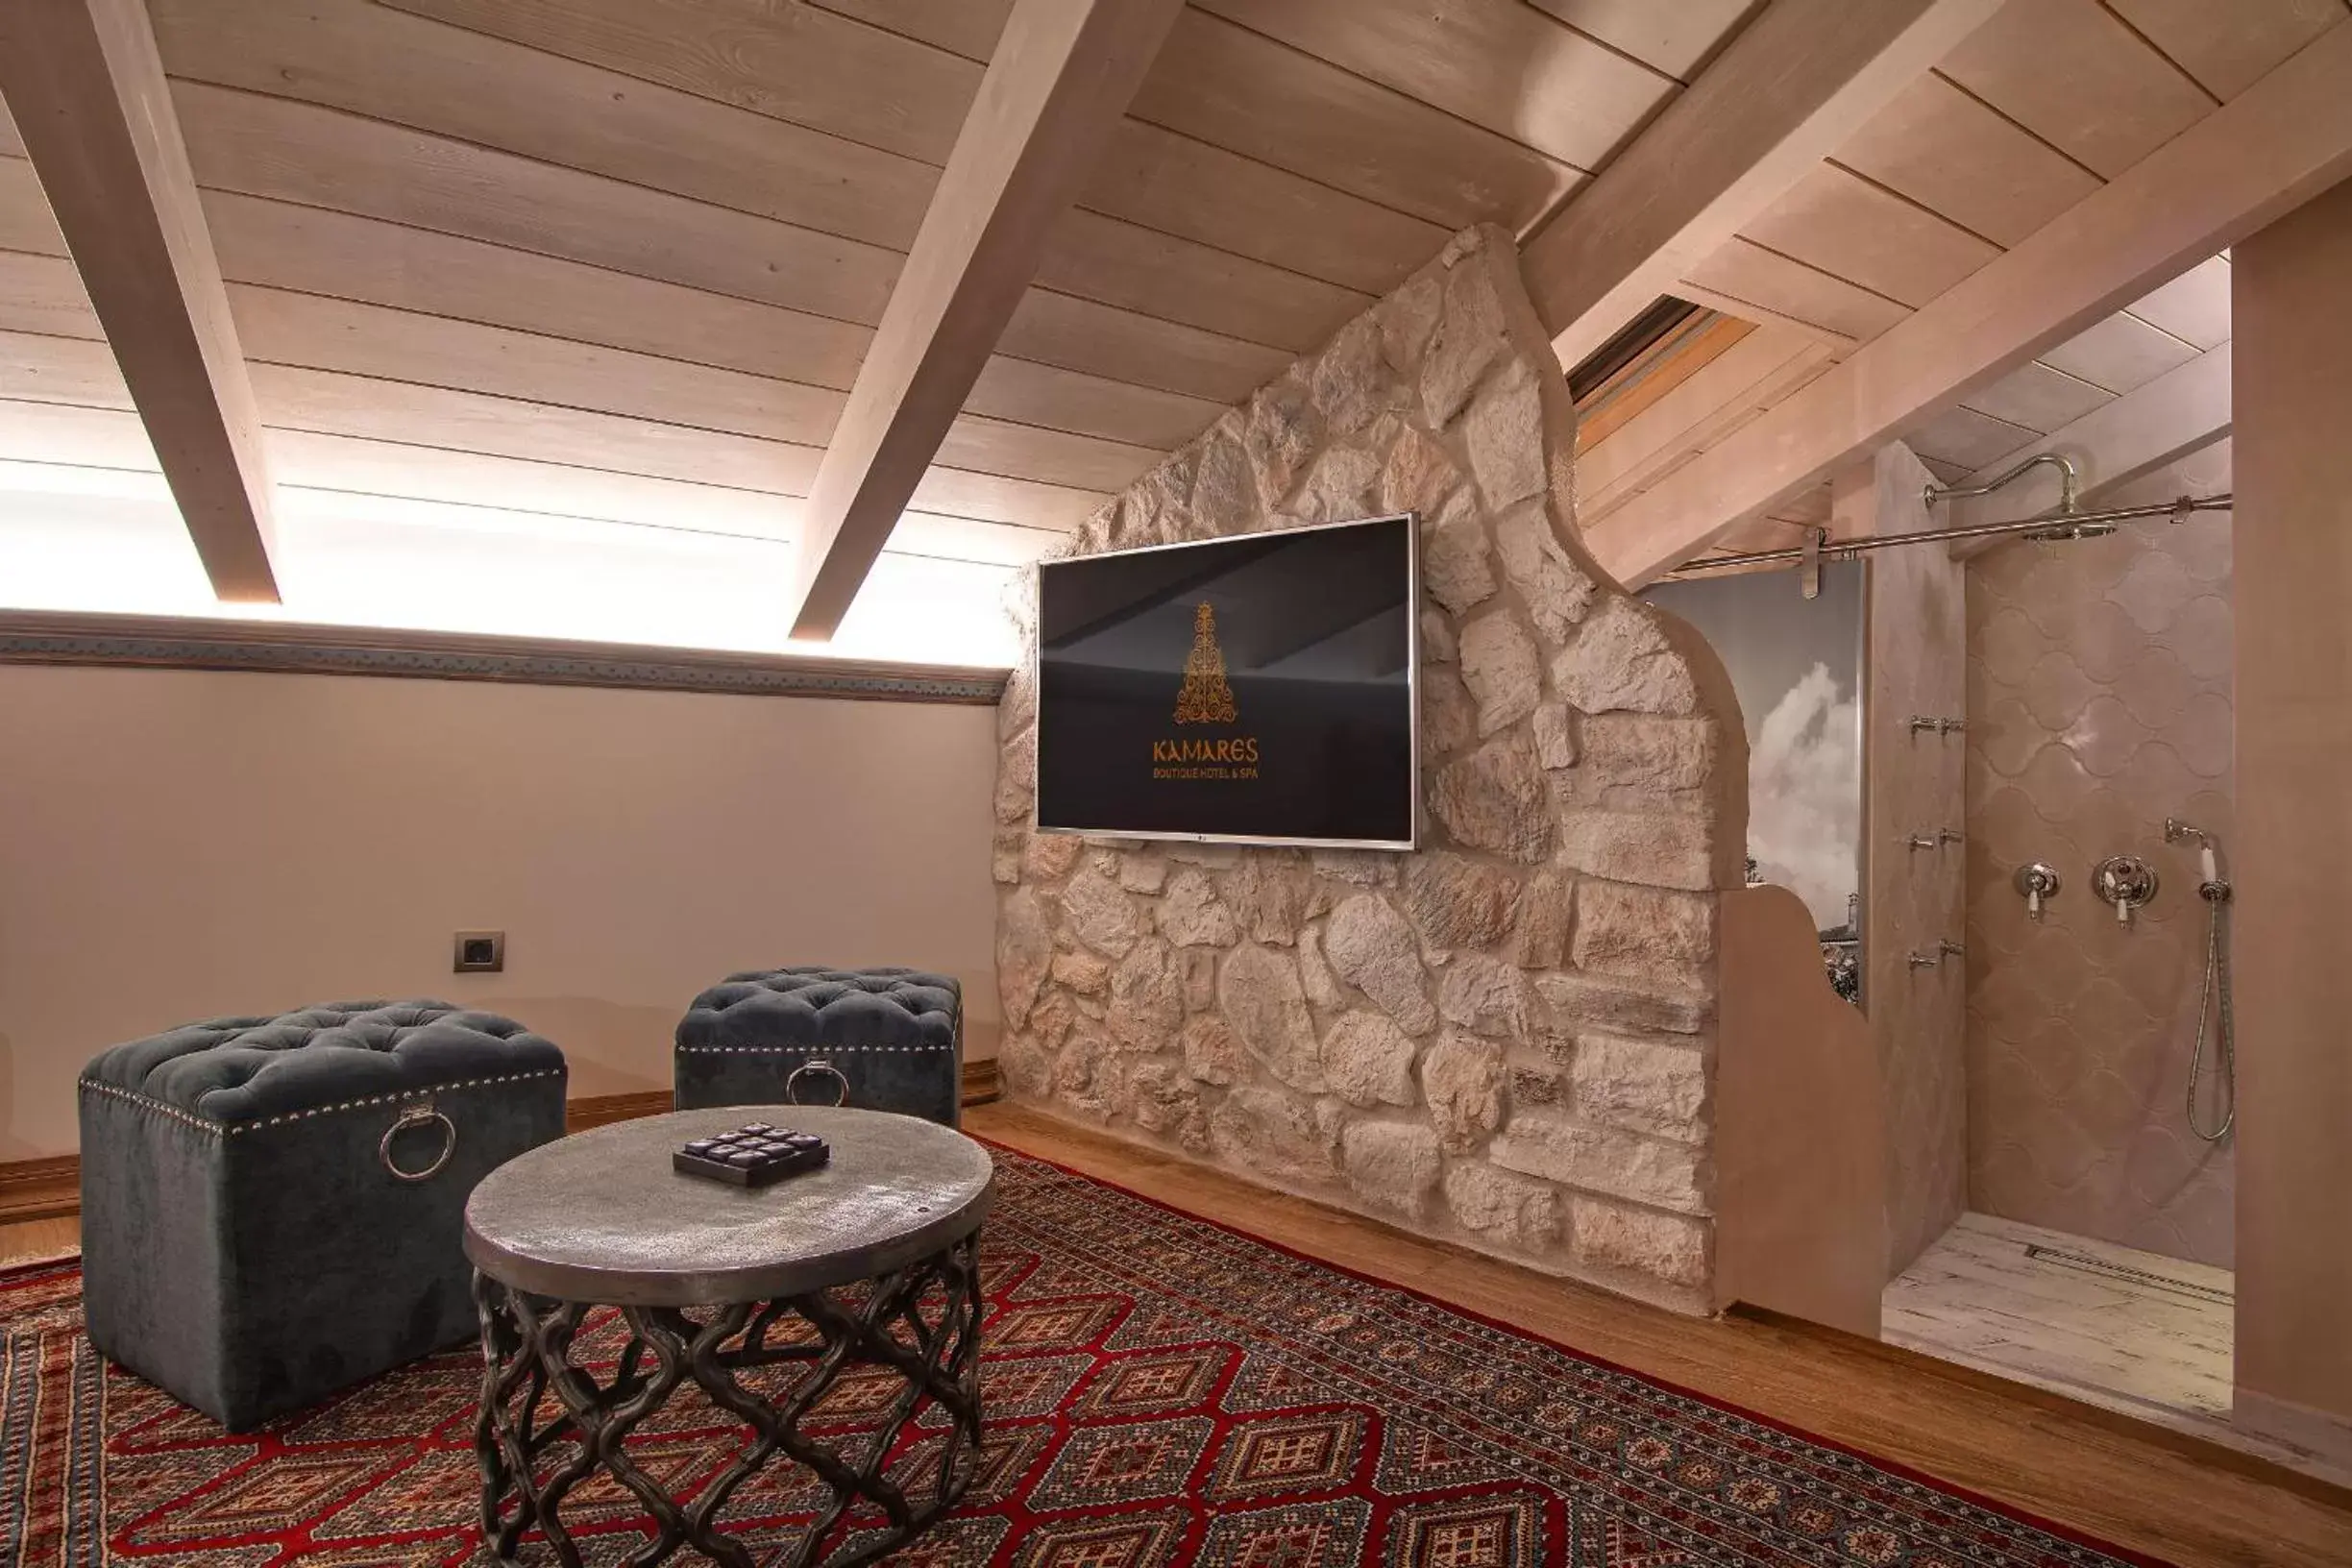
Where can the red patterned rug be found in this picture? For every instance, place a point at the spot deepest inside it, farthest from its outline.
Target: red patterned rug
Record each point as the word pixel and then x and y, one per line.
pixel 1159 1390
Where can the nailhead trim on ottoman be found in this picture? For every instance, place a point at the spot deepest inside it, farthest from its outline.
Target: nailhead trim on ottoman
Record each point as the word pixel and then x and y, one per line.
pixel 245 1242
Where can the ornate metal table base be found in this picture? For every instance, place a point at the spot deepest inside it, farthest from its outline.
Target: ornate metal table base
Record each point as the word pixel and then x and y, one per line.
pixel 923 1321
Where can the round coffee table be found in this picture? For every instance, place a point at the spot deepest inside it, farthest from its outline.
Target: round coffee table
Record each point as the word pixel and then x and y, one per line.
pixel 871 1261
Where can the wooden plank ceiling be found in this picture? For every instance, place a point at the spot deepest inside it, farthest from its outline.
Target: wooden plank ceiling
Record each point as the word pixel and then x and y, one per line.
pixel 2036 110
pixel 621 260
pixel 2168 329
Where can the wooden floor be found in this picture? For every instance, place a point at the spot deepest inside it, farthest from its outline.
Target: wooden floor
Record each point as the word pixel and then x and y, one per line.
pixel 2160 1493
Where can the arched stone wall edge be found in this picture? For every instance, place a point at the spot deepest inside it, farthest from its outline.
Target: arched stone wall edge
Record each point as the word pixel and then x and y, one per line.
pixel 1505 1039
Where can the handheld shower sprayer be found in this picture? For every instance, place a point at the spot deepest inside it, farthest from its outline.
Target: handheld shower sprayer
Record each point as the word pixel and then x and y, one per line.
pixel 2217 895
pixel 2208 867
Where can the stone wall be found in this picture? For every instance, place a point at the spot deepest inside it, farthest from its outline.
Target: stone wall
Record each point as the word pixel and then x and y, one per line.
pixel 1504 1038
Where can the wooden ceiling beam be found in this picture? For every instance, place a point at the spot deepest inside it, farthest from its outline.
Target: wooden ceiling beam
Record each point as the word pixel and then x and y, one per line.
pixel 1787 91
pixel 86 86
pixel 1060 78
pixel 2268 151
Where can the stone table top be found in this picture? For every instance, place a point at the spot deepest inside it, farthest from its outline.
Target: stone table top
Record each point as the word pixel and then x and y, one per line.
pixel 601 1216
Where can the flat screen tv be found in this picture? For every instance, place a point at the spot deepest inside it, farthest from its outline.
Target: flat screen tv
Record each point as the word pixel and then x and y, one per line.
pixel 1259 689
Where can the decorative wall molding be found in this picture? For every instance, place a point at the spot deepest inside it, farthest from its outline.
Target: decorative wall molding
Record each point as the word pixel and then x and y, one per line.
pixel 290 647
pixel 585 1111
pixel 983 1082
pixel 39 1189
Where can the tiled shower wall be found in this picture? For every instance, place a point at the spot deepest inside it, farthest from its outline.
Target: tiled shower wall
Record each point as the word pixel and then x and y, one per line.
pixel 2098 706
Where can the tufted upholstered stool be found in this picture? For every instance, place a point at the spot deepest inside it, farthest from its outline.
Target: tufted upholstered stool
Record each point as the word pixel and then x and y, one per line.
pixel 274 1207
pixel 894 1036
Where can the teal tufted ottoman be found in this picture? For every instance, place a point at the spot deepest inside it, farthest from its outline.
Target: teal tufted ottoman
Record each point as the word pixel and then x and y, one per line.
pixel 273 1207
pixel 875 1040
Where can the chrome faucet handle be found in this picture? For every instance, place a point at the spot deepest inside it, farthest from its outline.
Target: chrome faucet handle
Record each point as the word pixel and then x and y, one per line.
pixel 2126 882
pixel 2040 882
pixel 1924 961
pixel 1918 840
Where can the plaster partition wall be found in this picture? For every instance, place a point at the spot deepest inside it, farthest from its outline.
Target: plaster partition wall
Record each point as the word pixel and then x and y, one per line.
pixel 1912 794
pixel 182 843
pixel 2100 704
pixel 1506 1037
pixel 2291 407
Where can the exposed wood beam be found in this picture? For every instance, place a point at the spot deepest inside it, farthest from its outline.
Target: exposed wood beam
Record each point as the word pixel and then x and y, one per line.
pixel 1790 88
pixel 86 86
pixel 2266 152
pixel 1061 79
pixel 2182 411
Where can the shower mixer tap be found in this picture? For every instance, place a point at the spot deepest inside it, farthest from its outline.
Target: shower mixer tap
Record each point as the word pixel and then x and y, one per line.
pixel 2125 881
pixel 2039 883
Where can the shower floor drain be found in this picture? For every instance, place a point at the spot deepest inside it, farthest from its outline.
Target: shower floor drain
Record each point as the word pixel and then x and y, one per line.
pixel 2083 1262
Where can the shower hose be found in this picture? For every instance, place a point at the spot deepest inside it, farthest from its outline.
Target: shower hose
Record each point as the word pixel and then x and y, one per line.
pixel 2217 985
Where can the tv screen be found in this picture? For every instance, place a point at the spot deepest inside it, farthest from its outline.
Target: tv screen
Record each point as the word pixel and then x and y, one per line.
pixel 1258 688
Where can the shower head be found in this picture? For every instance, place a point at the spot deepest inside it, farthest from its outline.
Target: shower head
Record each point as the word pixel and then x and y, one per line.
pixel 2061 533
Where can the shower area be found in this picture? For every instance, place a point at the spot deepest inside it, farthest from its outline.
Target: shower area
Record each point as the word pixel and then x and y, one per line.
pixel 1999 770
pixel 2086 1245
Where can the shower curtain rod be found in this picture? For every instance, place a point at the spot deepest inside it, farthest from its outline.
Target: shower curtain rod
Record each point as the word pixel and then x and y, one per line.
pixel 1818 547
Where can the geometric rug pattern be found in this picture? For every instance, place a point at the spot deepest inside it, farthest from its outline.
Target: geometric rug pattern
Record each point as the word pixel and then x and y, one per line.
pixel 1158 1390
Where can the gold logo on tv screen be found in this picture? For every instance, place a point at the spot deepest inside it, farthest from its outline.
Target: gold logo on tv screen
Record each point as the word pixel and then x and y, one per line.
pixel 1205 698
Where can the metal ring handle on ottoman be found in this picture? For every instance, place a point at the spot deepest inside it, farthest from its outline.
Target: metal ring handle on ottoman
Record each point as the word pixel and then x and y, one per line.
pixel 418 1115
pixel 818 1064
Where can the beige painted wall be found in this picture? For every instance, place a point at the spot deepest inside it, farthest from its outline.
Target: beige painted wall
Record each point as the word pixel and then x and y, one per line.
pixel 1801 1140
pixel 1911 903
pixel 181 844
pixel 2293 398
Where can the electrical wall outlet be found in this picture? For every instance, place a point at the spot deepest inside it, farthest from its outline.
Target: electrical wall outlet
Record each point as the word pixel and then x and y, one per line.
pixel 479 952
